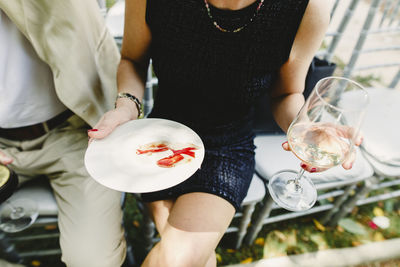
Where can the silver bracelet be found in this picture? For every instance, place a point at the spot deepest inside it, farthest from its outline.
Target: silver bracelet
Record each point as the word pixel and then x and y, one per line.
pixel 134 99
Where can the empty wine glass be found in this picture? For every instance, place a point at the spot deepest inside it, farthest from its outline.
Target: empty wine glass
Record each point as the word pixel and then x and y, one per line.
pixel 16 214
pixel 322 135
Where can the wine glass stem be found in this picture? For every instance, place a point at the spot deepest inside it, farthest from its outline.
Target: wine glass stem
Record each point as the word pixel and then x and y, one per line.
pixel 299 175
pixel 17 212
pixel 293 185
pixel 11 205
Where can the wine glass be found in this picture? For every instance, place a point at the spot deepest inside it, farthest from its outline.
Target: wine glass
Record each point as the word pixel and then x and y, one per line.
pixel 16 214
pixel 321 135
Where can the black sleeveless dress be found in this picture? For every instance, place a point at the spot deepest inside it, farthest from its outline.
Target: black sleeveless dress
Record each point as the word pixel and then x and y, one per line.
pixel 209 80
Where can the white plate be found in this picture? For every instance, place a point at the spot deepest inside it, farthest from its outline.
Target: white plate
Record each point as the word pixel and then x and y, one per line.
pixel 114 163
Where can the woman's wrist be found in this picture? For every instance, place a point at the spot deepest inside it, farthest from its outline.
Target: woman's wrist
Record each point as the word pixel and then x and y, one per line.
pixel 128 106
pixel 131 102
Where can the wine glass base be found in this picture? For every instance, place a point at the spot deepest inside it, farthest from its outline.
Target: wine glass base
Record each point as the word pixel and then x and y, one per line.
pixel 17 225
pixel 17 215
pixel 289 195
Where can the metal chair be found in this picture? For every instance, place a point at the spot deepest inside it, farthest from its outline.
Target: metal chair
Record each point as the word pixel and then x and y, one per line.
pixel 39 191
pixel 334 183
pixel 385 26
pixel 381 146
pixel 255 194
pixel 43 229
pixel 270 158
pixel 333 37
pixel 381 150
pixel 369 167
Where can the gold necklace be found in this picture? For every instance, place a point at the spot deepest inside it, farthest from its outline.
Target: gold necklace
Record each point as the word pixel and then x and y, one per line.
pixel 234 30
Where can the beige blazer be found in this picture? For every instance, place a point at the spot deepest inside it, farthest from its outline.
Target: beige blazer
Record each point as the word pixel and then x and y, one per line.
pixel 71 37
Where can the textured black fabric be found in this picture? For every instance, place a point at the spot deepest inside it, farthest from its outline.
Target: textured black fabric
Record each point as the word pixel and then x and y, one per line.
pixel 209 80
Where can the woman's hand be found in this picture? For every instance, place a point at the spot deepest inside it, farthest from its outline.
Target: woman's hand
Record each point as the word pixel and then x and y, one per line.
pixel 125 111
pixel 347 164
pixel 4 159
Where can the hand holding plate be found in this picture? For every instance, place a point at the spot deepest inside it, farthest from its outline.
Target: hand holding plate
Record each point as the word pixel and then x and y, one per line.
pixel 110 120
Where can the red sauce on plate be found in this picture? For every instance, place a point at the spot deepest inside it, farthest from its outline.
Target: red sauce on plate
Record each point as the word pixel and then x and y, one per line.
pixel 169 161
pixel 157 148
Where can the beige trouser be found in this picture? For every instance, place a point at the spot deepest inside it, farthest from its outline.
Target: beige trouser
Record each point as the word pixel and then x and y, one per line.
pixel 89 216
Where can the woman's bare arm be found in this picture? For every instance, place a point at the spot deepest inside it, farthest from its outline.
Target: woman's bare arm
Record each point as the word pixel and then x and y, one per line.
pixel 132 70
pixel 287 97
pixel 287 94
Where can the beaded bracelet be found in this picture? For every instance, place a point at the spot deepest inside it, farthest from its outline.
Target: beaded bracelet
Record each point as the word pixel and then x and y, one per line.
pixel 134 99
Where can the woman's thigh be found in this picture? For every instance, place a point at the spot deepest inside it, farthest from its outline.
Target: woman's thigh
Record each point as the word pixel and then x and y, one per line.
pixel 201 212
pixel 195 225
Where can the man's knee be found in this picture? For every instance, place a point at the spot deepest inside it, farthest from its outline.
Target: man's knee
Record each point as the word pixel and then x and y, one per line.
pixel 92 253
pixel 91 232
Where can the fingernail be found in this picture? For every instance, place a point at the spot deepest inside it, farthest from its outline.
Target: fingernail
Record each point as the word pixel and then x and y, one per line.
pixel 313 170
pixel 93 130
pixel 361 140
pixel 303 165
pixel 350 165
pixel 284 143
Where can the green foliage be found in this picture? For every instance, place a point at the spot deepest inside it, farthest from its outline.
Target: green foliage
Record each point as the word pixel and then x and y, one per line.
pixel 352 226
pixel 367 80
pixel 110 3
pixel 291 237
pixel 306 234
